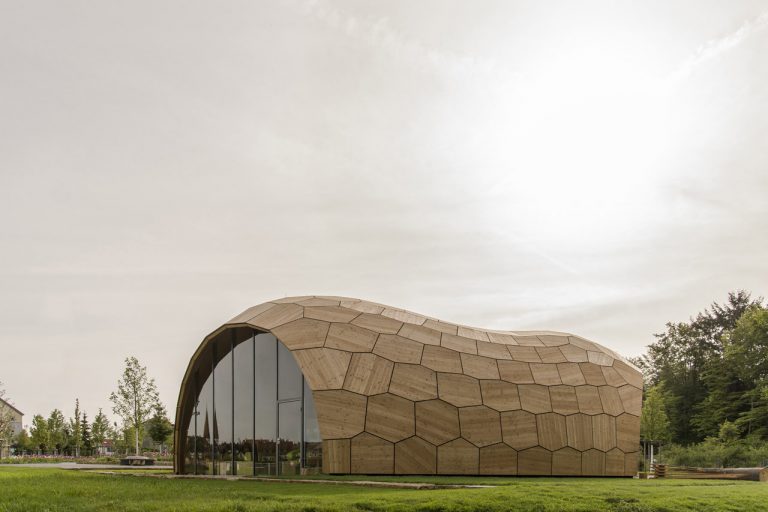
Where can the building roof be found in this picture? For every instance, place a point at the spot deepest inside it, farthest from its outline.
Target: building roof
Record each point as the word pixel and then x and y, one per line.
pixel 10 406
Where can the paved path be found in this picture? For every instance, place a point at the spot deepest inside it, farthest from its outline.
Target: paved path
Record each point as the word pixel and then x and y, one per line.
pixel 74 465
pixel 362 483
pixel 109 469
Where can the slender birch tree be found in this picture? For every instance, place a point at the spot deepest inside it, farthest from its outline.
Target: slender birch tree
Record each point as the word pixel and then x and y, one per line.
pixel 136 397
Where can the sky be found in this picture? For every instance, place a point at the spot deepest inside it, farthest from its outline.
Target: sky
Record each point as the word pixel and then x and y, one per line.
pixel 599 168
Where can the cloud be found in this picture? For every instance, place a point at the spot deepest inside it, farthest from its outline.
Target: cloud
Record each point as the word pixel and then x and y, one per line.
pixel 716 47
pixel 381 34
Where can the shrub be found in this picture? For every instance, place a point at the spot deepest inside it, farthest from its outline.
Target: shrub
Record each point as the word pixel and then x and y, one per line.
pixel 713 453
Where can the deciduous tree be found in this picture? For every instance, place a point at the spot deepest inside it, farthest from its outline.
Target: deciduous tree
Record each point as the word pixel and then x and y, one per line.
pixel 57 430
pixel 136 397
pixel 41 438
pixel 160 427
pixel 654 422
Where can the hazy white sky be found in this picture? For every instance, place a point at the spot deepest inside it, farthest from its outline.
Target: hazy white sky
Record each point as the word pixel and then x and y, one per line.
pixel 593 167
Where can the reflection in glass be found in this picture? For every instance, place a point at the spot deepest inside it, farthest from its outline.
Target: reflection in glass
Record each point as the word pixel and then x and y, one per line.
pixel 289 437
pixel 265 417
pixel 290 378
pixel 204 432
pixel 222 415
pixel 258 400
pixel 313 443
pixel 244 396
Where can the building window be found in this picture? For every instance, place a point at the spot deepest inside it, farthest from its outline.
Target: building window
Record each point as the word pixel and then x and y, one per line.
pixel 251 411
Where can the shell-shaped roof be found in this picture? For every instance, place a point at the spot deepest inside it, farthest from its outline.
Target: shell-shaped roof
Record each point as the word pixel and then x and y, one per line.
pixel 319 312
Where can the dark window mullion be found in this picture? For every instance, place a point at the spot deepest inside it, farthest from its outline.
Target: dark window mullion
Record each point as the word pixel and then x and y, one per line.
pixel 213 409
pixel 253 410
pixel 195 415
pixel 232 366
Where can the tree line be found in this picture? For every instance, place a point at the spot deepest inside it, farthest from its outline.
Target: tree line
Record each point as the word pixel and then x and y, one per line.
pixel 136 402
pixel 707 380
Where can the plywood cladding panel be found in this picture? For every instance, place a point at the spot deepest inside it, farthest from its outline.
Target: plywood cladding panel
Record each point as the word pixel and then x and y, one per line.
pixel 401 393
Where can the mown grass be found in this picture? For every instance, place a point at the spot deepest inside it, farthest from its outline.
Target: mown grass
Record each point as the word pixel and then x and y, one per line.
pixel 54 490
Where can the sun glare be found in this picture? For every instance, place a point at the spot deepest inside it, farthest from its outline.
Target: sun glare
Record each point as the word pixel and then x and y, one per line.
pixel 580 147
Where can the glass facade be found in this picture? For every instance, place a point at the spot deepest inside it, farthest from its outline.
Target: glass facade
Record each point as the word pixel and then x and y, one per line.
pixel 252 411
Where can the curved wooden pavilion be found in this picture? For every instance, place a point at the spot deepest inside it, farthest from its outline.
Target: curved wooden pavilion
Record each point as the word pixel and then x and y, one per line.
pixel 395 392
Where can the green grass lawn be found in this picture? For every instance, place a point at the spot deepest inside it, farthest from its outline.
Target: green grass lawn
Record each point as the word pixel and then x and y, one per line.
pixel 53 490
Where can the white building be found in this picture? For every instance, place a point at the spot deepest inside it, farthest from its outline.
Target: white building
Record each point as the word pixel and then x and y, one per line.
pixel 16 421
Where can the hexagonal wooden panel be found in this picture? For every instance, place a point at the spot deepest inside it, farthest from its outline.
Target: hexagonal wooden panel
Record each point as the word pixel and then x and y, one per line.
pixel 518 429
pixel 368 374
pixel 474 334
pixel 579 427
pixel 563 399
pixel 631 399
pixel 545 374
pixel 570 374
pixel 498 459
pixel 589 401
pixel 372 455
pixel 500 395
pixel 631 461
pixel 377 323
pixel 528 341
pixel 458 457
pixel 437 421
pixel 614 462
pixel 593 463
pixel 612 377
pixel 630 374
pixel 534 398
pixel 479 366
pixel 331 313
pixel 604 432
pixel 553 340
pixel 277 316
pixel 336 455
pixel 534 461
pixel 515 372
pixel 574 354
pixel 302 333
pixel 459 390
pixel 398 349
pixel 459 343
pixel 493 350
pixel 480 425
pixel 524 354
pixel 390 417
pixel 324 368
pixel 441 359
pixel 350 338
pixel 415 456
pixel 550 355
pixel 566 462
pixel 609 397
pixel 414 382
pixel 593 374
pixel 439 326
pixel 628 432
pixel 420 333
pixel 339 413
pixel 552 431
